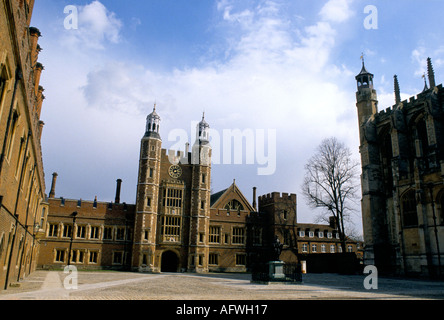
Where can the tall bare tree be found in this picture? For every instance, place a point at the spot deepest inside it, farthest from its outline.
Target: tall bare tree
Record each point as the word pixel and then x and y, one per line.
pixel 331 182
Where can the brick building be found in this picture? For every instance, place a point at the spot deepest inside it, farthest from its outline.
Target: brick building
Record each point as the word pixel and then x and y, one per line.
pixel 402 156
pixel 22 186
pixel 176 224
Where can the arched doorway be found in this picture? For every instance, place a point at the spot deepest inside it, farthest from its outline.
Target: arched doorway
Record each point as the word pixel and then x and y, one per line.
pixel 170 262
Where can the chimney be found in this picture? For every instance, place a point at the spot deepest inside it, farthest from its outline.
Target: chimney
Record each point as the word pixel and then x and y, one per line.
pixel 34 38
pixel 37 74
pixel 54 178
pixel 332 221
pixel 254 198
pixel 39 102
pixel 119 183
pixel 41 124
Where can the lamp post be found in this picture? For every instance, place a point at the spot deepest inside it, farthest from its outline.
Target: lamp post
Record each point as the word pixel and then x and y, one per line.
pixel 74 214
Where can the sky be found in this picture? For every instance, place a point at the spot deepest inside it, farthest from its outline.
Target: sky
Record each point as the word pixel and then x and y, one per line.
pixel 281 72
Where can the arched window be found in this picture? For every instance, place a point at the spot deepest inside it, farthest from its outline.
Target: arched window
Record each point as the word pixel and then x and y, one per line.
pixel 408 209
pixel 234 205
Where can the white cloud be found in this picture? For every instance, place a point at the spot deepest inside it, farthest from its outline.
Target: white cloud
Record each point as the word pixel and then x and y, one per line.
pixel 336 11
pixel 96 26
pixel 275 75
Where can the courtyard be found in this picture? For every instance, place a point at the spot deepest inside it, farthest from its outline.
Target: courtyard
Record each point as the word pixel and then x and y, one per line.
pixel 109 285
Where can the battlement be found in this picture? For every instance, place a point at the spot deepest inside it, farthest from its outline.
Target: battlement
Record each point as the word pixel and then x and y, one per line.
pixel 408 103
pixel 276 197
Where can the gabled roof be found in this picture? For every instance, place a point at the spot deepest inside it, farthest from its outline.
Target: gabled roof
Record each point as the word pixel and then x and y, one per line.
pixel 219 199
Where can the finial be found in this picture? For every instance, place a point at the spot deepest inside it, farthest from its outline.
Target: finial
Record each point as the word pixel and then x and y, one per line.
pixel 203 115
pixel 154 109
pixel 431 73
pixel 362 58
pixel 397 92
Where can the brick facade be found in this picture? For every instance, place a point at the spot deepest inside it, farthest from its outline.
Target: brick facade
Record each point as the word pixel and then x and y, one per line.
pixel 22 187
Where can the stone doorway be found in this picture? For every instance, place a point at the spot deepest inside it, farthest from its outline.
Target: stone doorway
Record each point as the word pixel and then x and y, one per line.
pixel 170 262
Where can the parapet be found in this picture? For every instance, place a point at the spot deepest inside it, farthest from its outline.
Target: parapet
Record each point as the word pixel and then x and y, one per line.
pixel 276 197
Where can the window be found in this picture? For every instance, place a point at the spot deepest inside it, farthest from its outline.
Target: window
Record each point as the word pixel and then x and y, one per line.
pixel 203 177
pixel 227 238
pixel 320 234
pixel 408 206
pixel 94 233
pixel 234 205
pixel 77 256
pixel 202 204
pixel 81 231
pixel 201 237
pixel 323 248
pixel 93 256
pixel 11 134
pixel 213 259
pixel 304 247
pixel 171 227
pixel 311 234
pixel 67 231
pixel 349 248
pixel 238 235
pixel 285 214
pixel 329 235
pixel 257 236
pixel 314 248
pixel 118 257
pixel 52 230
pixel 148 201
pixel 151 172
pixel 60 255
pixel 146 234
pixel 214 236
pixel 301 233
pixel 120 233
pixel 241 259
pixel 172 198
pixel 332 248
pixel 107 233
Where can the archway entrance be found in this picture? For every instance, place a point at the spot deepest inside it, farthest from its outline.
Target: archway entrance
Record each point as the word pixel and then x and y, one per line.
pixel 170 262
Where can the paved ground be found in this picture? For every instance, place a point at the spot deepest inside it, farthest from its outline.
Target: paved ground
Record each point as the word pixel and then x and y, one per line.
pixel 107 285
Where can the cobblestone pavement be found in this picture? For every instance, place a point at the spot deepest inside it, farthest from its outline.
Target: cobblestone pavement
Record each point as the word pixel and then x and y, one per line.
pixel 108 285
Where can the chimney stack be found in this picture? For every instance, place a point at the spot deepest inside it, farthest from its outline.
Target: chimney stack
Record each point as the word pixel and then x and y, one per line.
pixel 119 183
pixel 254 198
pixel 54 178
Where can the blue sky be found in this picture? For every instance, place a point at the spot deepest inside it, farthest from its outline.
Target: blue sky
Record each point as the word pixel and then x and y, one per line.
pixel 287 66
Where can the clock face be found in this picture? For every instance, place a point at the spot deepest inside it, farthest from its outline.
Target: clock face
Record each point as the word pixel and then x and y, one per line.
pixel 175 171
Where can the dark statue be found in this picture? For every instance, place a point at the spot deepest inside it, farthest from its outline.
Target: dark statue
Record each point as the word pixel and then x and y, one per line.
pixel 277 248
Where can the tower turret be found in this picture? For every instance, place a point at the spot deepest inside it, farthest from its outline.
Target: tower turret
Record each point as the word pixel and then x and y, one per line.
pixel 148 185
pixel 152 124
pixel 366 97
